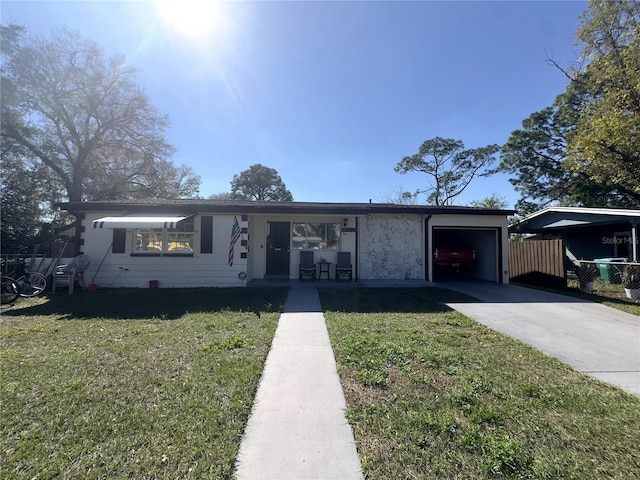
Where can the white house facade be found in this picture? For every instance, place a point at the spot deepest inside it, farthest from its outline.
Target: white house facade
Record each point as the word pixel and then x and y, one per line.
pixel 197 243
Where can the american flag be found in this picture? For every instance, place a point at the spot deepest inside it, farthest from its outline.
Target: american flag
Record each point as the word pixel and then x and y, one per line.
pixel 235 235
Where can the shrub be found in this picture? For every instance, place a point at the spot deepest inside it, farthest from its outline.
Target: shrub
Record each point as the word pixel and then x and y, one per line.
pixel 586 272
pixel 631 276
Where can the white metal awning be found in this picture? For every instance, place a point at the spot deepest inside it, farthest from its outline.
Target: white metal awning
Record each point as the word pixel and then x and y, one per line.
pixel 140 221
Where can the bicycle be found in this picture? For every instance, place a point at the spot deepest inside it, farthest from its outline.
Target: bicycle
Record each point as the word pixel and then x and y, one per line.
pixel 31 284
pixel 9 290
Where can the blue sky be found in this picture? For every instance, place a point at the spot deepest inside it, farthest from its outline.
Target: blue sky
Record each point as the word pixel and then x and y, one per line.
pixel 331 94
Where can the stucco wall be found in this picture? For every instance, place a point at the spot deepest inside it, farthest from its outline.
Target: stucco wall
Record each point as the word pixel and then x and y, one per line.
pixel 391 247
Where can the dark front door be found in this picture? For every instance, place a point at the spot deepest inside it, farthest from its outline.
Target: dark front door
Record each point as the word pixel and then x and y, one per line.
pixel 278 241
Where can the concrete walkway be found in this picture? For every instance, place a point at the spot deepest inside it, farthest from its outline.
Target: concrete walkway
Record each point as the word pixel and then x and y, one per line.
pixel 591 338
pixel 297 429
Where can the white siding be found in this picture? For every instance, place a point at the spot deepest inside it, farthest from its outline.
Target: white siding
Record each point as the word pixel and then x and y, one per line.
pixel 200 270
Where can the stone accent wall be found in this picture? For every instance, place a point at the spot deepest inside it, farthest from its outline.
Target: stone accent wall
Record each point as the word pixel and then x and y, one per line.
pixel 391 247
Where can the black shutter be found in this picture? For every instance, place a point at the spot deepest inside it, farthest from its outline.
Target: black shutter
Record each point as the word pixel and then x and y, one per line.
pixel 206 234
pixel 119 240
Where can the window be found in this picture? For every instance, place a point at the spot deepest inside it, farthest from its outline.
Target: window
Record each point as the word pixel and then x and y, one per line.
pixel 167 241
pixel 621 242
pixel 316 236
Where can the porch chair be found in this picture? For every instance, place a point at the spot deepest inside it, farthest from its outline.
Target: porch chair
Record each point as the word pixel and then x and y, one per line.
pixel 343 266
pixel 71 273
pixel 307 267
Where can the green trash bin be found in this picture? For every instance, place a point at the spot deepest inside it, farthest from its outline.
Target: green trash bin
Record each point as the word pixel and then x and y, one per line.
pixel 609 272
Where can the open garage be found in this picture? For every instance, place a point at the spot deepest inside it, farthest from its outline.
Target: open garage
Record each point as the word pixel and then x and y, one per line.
pixel 460 243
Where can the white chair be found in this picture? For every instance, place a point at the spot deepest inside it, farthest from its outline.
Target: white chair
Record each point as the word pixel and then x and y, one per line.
pixel 71 273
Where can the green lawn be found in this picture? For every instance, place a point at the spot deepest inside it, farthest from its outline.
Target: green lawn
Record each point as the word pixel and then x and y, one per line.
pixel 163 388
pixel 433 394
pixel 609 294
pixel 160 389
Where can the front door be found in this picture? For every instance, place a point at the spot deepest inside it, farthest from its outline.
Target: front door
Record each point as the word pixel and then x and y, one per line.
pixel 278 242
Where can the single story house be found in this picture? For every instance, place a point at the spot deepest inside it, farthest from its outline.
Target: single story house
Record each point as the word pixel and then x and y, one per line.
pixel 588 233
pixel 196 243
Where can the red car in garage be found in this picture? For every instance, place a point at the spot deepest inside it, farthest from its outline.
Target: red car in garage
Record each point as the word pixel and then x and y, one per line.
pixel 454 260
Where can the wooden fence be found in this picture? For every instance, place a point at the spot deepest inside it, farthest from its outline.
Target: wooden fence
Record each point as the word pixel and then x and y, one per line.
pixel 59 248
pixel 538 262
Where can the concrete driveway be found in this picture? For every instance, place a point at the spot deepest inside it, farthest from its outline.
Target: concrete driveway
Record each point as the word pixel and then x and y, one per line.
pixel 593 339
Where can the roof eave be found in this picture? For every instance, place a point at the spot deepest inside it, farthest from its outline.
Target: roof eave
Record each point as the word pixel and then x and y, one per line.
pixel 247 207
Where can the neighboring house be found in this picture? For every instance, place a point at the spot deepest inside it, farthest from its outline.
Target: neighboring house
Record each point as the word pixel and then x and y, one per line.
pixel 588 233
pixel 186 243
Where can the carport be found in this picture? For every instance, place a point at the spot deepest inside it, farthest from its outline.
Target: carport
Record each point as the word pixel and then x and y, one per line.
pixel 587 232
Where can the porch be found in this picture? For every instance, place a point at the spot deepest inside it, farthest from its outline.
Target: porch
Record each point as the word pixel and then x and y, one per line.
pixel 324 283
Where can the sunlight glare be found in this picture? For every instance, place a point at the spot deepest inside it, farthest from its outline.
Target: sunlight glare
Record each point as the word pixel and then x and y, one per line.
pixel 198 19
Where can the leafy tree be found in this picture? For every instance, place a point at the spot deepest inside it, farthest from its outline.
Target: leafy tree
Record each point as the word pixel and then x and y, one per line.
pixel 220 196
pixel 23 184
pixel 536 154
pixel 449 167
pixel 605 142
pixel 21 187
pixel 584 149
pixel 493 201
pixel 83 118
pixel 259 183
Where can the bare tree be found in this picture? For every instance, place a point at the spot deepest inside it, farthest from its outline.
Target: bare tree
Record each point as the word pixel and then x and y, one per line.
pixel 399 196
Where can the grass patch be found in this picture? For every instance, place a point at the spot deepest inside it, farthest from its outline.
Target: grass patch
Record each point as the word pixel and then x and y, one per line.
pixel 611 295
pixel 131 383
pixel 433 394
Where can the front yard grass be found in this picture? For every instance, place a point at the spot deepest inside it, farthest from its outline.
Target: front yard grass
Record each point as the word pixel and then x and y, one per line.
pixel 610 295
pixel 433 394
pixel 131 383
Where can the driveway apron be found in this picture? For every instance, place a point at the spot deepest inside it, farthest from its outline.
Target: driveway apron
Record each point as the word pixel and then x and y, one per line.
pixel 593 339
pixel 297 428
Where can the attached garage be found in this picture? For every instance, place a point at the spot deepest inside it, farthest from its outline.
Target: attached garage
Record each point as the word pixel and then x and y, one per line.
pixel 485 246
pixel 486 236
